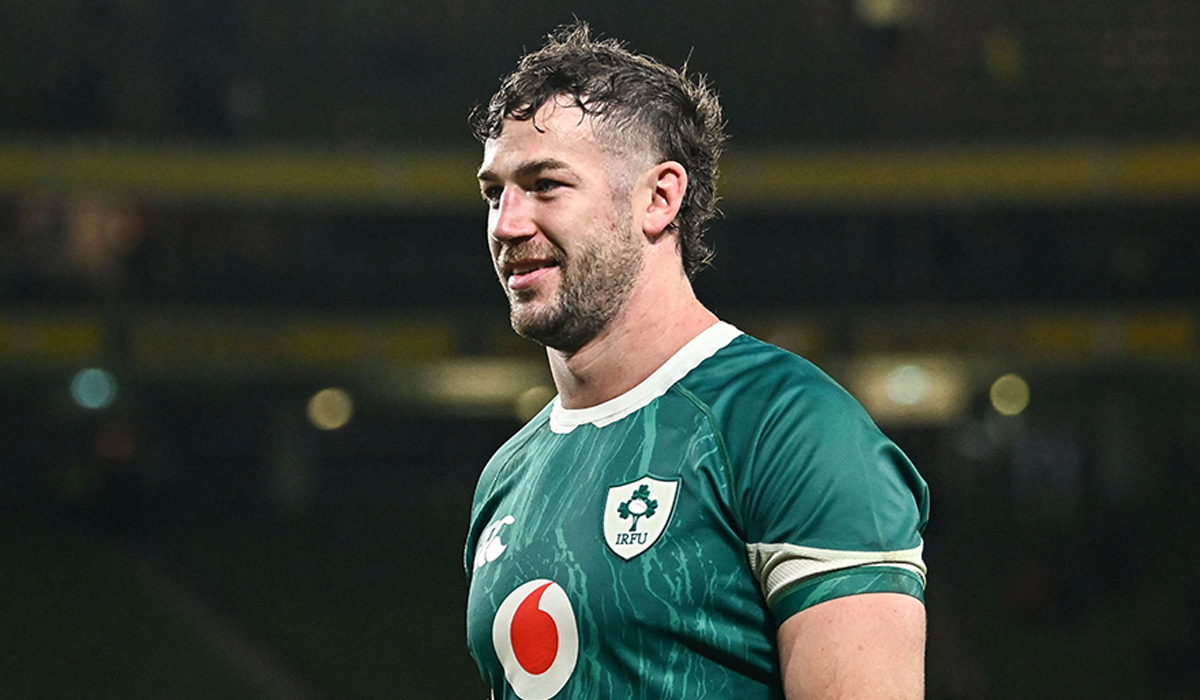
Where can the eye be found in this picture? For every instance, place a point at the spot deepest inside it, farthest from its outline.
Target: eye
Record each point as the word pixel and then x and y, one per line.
pixel 491 194
pixel 545 185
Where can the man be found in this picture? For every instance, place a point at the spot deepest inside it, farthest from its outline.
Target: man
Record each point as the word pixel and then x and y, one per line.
pixel 697 514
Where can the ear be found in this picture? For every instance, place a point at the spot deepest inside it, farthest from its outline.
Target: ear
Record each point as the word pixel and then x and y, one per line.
pixel 666 184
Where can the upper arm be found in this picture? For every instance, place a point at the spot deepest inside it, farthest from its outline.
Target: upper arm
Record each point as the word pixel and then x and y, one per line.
pixel 860 647
pixel 834 514
pixel 832 507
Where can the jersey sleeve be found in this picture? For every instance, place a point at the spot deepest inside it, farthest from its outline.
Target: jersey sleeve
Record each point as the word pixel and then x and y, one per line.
pixel 830 506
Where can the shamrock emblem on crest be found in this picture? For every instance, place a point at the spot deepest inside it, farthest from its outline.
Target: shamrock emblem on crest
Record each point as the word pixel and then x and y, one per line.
pixel 639 505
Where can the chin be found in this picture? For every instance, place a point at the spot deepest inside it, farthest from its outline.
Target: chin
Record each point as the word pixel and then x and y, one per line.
pixel 532 322
pixel 545 328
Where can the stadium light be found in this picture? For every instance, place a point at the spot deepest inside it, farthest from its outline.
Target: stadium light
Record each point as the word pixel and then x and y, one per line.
pixel 94 388
pixel 330 409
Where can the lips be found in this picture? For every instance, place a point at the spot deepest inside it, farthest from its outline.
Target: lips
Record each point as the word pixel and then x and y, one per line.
pixel 523 273
pixel 521 267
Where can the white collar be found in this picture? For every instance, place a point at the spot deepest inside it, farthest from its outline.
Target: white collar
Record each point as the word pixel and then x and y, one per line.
pixel 687 358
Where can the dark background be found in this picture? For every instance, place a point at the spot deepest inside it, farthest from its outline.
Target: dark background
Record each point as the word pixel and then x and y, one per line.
pixel 229 206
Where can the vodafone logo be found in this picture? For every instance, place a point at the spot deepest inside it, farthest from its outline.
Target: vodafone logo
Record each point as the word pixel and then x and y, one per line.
pixel 535 637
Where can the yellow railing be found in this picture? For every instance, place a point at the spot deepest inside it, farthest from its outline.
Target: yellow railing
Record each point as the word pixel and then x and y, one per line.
pixel 784 177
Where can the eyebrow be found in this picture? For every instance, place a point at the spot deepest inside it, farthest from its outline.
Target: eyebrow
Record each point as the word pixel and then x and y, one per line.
pixel 527 169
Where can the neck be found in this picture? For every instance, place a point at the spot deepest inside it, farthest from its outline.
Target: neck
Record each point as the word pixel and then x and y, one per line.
pixel 655 323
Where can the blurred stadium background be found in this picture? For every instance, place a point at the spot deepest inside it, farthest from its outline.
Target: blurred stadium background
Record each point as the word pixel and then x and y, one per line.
pixel 253 355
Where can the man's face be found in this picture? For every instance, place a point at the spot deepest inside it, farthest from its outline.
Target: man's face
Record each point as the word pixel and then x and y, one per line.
pixel 561 233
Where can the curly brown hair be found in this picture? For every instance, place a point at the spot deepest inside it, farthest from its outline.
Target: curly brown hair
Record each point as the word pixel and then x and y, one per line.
pixel 639 102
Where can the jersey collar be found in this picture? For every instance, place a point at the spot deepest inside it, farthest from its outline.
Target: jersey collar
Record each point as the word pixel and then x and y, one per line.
pixel 687 358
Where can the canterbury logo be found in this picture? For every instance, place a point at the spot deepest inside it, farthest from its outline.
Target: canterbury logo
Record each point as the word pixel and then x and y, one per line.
pixel 490 546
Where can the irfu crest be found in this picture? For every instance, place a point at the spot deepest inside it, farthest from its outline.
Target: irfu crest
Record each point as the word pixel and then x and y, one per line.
pixel 637 513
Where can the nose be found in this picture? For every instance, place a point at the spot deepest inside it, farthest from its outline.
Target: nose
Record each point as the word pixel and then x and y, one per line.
pixel 512 217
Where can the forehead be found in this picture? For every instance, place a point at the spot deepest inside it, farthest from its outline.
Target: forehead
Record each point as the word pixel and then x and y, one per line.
pixel 556 132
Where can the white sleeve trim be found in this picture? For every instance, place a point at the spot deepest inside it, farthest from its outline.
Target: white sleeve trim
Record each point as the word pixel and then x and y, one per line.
pixel 779 566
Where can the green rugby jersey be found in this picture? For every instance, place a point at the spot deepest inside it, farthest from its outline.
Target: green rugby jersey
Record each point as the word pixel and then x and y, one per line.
pixel 648 547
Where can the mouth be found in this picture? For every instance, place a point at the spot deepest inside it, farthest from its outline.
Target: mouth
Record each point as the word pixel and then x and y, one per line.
pixel 523 273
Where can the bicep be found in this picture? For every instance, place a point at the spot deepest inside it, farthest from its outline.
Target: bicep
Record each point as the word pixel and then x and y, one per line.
pixel 868 647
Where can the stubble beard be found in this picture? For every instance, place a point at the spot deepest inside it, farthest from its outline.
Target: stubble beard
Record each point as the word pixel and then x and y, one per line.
pixel 595 284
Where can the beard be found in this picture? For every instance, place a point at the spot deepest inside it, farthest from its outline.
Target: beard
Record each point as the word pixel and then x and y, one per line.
pixel 594 285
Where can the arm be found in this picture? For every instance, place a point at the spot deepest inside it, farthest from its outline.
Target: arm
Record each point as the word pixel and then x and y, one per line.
pixel 860 647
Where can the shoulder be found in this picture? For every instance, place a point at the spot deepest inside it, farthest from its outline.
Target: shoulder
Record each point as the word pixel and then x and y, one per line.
pixel 798 443
pixel 779 417
pixel 752 379
pixel 527 432
pixel 522 440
